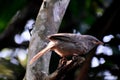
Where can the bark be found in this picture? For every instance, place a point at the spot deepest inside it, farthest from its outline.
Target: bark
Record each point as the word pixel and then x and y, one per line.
pixel 47 22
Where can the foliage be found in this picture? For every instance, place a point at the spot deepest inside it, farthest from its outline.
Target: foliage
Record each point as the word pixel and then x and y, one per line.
pixel 7 10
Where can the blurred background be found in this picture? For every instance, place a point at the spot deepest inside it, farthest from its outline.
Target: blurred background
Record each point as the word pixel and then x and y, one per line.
pixel 100 18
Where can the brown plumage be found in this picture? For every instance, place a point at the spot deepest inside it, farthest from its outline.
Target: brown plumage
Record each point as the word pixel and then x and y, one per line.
pixel 67 44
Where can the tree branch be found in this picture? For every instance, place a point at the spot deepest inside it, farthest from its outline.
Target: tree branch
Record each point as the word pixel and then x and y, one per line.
pixel 67 71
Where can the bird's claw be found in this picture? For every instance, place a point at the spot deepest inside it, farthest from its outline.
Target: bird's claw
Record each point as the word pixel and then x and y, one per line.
pixel 78 59
pixel 62 62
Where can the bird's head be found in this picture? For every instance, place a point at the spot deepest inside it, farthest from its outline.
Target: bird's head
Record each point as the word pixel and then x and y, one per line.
pixel 92 41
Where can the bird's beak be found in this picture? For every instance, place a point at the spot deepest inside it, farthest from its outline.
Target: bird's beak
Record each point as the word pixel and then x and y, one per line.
pixel 99 43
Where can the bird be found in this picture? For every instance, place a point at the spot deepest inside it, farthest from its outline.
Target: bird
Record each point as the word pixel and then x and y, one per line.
pixel 68 44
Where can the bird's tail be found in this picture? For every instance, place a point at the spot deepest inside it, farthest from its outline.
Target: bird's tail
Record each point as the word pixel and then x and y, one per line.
pixel 42 52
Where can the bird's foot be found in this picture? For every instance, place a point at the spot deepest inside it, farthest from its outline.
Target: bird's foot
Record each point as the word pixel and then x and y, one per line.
pixel 62 62
pixel 77 58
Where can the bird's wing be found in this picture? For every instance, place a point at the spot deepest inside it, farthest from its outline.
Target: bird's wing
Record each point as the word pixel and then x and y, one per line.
pixel 61 38
pixel 67 37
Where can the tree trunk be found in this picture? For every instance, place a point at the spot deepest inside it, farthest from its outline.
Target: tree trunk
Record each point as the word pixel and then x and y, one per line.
pixel 47 22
